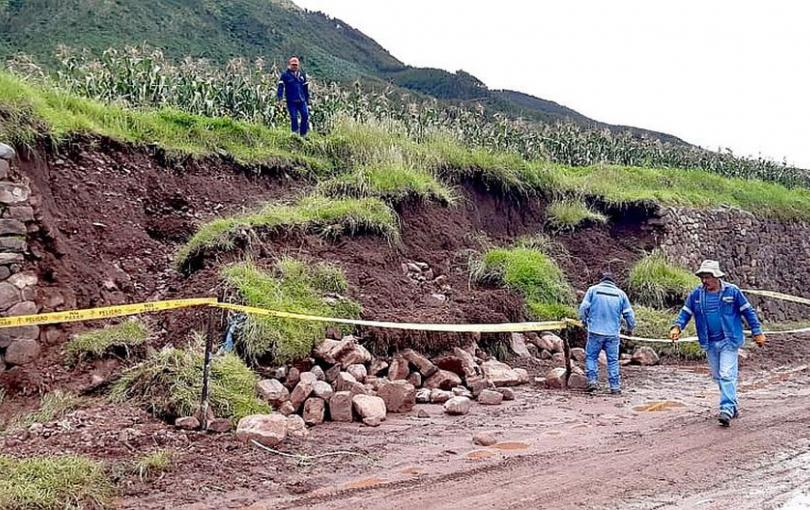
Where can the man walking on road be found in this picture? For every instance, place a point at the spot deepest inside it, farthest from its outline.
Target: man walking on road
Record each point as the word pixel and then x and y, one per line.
pixel 718 308
pixel 294 86
pixel 602 310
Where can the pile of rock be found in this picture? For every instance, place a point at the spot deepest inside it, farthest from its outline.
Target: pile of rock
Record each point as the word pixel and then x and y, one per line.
pixel 343 382
pixel 18 345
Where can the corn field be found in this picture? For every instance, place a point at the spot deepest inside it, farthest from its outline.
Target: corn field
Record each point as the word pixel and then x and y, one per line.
pixel 143 77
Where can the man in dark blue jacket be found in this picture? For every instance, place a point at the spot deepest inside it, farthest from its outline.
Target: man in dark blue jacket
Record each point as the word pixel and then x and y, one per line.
pixel 602 310
pixel 294 86
pixel 718 308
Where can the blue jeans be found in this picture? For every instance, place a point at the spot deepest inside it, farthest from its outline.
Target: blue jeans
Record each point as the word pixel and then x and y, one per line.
pixel 295 108
pixel 611 346
pixel 722 358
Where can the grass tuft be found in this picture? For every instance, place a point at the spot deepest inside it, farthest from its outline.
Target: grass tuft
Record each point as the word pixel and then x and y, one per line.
pixel 569 214
pixel 655 282
pixel 531 272
pixel 153 464
pixel 96 343
pixel 391 182
pixel 327 217
pixel 168 384
pixel 53 483
pixel 292 287
pixel 654 323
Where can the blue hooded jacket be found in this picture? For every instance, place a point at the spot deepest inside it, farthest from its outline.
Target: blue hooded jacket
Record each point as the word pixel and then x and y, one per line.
pixel 733 307
pixel 295 86
pixel 603 307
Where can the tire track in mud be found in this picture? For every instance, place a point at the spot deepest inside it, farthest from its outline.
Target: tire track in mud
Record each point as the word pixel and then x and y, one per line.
pixel 684 457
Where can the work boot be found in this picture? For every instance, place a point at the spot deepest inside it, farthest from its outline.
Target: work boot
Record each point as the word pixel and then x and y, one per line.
pixel 592 387
pixel 615 391
pixel 724 418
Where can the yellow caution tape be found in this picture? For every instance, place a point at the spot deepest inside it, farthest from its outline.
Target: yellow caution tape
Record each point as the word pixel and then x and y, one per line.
pixel 509 327
pixel 105 312
pixel 778 295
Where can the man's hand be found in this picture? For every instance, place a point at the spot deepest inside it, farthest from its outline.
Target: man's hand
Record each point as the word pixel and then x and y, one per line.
pixel 674 333
pixel 759 340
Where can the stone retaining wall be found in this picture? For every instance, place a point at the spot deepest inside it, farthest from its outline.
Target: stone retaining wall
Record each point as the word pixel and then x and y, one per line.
pixel 755 253
pixel 19 345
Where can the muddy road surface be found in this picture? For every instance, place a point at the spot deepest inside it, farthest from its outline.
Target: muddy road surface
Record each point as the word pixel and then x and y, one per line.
pixel 656 446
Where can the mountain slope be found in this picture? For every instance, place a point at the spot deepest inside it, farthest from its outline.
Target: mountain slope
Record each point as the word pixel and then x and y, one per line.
pixel 223 29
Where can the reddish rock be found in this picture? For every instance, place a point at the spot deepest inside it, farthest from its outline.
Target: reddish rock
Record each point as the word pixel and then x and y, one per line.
pixel 302 391
pixel 457 406
pixel 501 374
pixel 478 384
pixel 438 396
pixel 645 355
pixel 578 354
pixel 187 423
pixel 555 378
pixel 577 381
pixel 322 389
pixel 323 351
pixel 293 376
pixel 490 398
pixel 507 393
pixel 423 395
pixel 484 439
pixel 399 396
pixel 344 381
pixel 332 374
pixel 318 372
pixel 517 343
pixel 377 367
pixel 398 369
pixel 340 406
pixel 273 391
pixel 371 410
pixel 219 425
pixel 551 342
pixel 267 429
pixel 22 352
pixel 422 364
pixel 442 379
pixel 314 411
pixel 296 427
pixel 415 378
pixel 286 408
pixel 358 371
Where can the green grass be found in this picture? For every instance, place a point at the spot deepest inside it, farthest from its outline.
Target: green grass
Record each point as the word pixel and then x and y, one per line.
pixel 53 483
pixel 168 384
pixel 655 323
pixel 53 406
pixel 33 110
pixel 327 217
pixel 292 287
pixel 97 342
pixel 153 464
pixel 569 214
pixel 655 282
pixel 531 272
pixel 390 182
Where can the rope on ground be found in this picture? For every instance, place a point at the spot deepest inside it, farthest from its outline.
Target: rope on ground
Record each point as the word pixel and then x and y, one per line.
pixel 306 459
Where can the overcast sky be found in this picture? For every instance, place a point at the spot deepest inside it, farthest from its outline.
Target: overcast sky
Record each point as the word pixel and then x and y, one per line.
pixel 716 73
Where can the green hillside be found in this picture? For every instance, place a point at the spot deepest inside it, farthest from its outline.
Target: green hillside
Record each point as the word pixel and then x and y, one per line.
pixel 223 29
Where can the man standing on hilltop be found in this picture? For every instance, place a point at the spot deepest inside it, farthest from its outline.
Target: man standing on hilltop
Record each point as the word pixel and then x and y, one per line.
pixel 602 310
pixel 718 308
pixel 294 85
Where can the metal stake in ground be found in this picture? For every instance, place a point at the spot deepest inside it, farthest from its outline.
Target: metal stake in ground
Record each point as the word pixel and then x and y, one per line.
pixel 209 347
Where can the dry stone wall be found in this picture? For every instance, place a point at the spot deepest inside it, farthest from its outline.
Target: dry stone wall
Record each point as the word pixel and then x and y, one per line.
pixel 755 253
pixel 18 345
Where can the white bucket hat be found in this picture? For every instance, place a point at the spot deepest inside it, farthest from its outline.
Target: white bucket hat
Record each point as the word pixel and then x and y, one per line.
pixel 711 267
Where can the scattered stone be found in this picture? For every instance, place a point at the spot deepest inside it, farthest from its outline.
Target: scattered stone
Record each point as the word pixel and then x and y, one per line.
pixel 399 396
pixel 377 367
pixel 370 409
pixel 443 379
pixel 314 411
pixel 357 354
pixel 9 295
pixel 187 423
pixel 340 406
pixel 457 406
pixel 273 391
pixel 323 351
pixel 332 374
pixel 625 359
pixel 7 152
pixel 415 378
pixel 558 358
pixel 484 439
pixel 577 381
pixel 508 393
pixel 478 384
pixel 11 194
pixel 422 414
pixel 555 378
pixel 438 396
pixel 551 342
pixel 219 425
pixel 358 371
pixel 293 376
pixel 286 408
pixel 461 391
pixel 578 353
pixel 266 429
pixel 339 349
pixel 490 398
pixel 544 354
pixel 422 364
pixel 398 369
pixel 302 390
pixel 297 427
pixel 645 355
pixel 22 352
pixel 533 350
pixel 344 381
pixel 423 396
pixel 500 374
pixel 518 345
pixel 319 373
pixel 322 389
pixel 523 375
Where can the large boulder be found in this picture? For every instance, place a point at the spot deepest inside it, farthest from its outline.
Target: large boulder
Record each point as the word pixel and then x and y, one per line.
pixel 555 378
pixel 344 381
pixel 578 354
pixel 577 381
pixel 460 362
pixel 501 374
pixel 314 411
pixel 518 345
pixel 490 398
pixel 323 351
pixel 22 352
pixel 458 406
pixel 340 406
pixel 442 379
pixel 399 396
pixel 322 389
pixel 296 427
pixel 354 354
pixel 371 410
pixel 266 429
pixel 303 389
pixel 358 371
pixel 422 364
pixel 645 355
pixel 273 391
pixel 398 369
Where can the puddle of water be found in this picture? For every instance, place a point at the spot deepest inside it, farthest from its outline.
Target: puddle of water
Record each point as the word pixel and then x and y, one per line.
pixel 365 482
pixel 480 454
pixel 511 446
pixel 660 405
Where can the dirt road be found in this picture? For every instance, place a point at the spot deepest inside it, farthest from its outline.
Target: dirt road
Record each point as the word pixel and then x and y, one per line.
pixel 562 451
